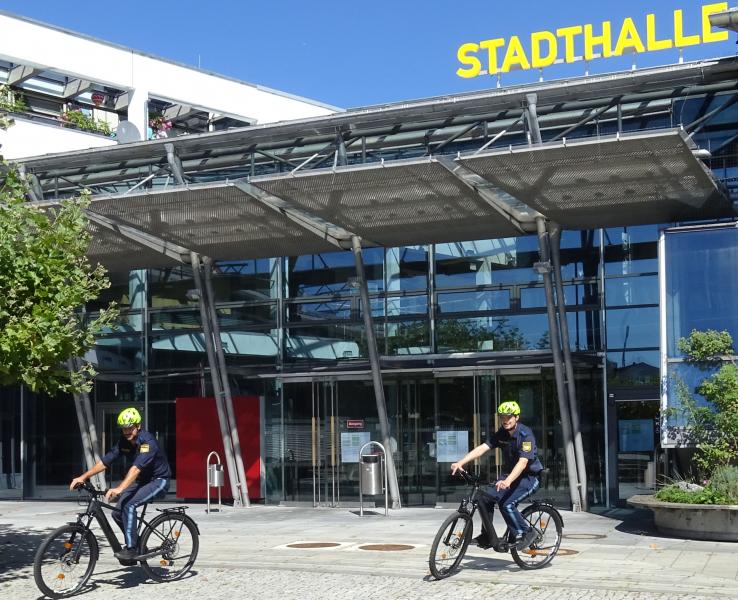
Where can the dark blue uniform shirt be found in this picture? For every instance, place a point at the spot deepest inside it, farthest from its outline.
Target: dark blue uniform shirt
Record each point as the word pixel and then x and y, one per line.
pixel 144 453
pixel 521 444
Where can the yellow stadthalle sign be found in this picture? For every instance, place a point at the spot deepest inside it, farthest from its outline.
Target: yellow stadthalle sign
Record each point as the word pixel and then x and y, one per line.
pixel 501 55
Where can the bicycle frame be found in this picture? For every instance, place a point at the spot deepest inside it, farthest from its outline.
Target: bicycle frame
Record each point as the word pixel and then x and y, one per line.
pixel 498 544
pixel 95 511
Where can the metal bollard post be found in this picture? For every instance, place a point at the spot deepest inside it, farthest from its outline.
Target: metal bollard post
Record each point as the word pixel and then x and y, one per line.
pixel 383 467
pixel 215 477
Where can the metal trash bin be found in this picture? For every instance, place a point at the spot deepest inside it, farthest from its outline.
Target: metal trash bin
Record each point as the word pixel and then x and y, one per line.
pixel 371 474
pixel 216 475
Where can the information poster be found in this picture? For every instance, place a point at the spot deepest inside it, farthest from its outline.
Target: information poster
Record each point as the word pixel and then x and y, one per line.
pixel 451 445
pixel 351 443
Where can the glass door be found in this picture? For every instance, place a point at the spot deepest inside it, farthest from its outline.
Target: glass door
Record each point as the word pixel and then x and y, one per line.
pixel 11 478
pixel 637 446
pixel 457 430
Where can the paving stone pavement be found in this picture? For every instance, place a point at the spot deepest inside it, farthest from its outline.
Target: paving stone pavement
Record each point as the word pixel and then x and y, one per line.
pixel 244 553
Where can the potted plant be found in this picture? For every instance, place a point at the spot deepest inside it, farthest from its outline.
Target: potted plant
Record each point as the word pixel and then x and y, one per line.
pixel 708 421
pixel 160 126
pixel 75 117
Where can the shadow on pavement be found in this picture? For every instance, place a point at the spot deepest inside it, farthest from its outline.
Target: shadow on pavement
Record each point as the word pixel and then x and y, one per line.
pixel 128 577
pixel 17 549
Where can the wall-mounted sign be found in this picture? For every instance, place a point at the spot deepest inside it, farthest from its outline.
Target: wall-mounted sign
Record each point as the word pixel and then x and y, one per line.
pixel 586 42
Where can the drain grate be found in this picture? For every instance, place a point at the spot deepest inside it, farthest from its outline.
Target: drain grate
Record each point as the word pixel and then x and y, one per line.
pixel 584 536
pixel 387 547
pixel 314 545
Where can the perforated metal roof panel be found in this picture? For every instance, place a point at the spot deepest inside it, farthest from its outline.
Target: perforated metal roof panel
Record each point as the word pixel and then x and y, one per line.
pixel 400 203
pixel 216 220
pixel 607 182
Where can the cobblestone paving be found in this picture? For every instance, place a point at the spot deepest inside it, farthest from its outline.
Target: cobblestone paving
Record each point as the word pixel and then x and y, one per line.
pixel 244 554
pixel 113 582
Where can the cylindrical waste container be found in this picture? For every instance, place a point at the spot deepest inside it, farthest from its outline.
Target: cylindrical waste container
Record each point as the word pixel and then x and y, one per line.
pixel 371 474
pixel 216 475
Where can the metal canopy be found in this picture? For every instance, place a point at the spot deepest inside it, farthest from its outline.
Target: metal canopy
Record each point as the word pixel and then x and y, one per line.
pixel 616 181
pixel 400 203
pixel 637 179
pixel 217 220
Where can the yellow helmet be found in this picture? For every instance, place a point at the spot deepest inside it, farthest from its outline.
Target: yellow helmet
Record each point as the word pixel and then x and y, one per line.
pixel 509 408
pixel 128 417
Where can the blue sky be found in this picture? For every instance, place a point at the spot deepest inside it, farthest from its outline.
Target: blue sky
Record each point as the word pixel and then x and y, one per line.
pixel 354 54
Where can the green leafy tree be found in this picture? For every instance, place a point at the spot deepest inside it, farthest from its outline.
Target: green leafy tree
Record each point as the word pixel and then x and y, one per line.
pixel 712 427
pixel 45 279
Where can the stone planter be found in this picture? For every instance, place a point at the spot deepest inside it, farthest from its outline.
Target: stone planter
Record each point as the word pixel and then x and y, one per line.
pixel 717 522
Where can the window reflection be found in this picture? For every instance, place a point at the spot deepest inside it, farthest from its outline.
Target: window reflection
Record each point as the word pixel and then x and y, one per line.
pixel 333 273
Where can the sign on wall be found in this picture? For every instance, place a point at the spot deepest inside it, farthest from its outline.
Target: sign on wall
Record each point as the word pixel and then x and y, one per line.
pixel 588 42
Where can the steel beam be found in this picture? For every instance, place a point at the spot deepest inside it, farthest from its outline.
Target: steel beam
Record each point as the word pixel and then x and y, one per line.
pixel 230 457
pixel 532 116
pixel 207 267
pixel 555 239
pixel 325 230
pixel 492 195
pixel 544 267
pixel 169 249
pixel 585 120
pixel 371 342
pixel 175 164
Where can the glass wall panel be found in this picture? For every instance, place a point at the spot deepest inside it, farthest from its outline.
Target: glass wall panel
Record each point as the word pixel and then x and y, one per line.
pixel 701 283
pixel 631 250
pixel 127 290
pixel 474 301
pixel 627 291
pixel 333 273
pixel 11 474
pixel 328 342
pixel 633 328
pixel 230 317
pixel 407 268
pixel 407 305
pixel 485 262
pixel 119 353
pixel 519 332
pixel 579 294
pixel 639 368
pixel 168 287
pixel 248 280
pixel 178 319
pixel 177 350
pixel 408 337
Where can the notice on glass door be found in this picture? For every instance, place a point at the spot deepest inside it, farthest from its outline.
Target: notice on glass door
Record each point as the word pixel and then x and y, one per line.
pixel 351 443
pixel 451 445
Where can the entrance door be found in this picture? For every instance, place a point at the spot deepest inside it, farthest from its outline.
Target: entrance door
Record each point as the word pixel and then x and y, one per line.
pixel 310 460
pixel 106 422
pixel 637 421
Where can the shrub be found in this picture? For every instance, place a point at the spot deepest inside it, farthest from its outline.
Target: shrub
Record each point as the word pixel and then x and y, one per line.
pixel 725 481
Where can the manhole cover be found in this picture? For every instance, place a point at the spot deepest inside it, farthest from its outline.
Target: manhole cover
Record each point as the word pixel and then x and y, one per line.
pixel 386 547
pixel 584 536
pixel 314 545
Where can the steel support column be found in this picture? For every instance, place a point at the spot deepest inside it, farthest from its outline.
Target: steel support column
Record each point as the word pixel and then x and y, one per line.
pixel 555 239
pixel 371 342
pixel 217 389
pixel 207 266
pixel 87 429
pixel 554 337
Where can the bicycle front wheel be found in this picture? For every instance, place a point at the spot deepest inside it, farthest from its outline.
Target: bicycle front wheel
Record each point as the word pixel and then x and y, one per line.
pixel 175 539
pixel 64 561
pixel 547 522
pixel 450 544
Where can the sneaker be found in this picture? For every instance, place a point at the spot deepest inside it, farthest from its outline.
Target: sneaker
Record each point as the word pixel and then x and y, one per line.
pixel 482 541
pixel 526 539
pixel 126 554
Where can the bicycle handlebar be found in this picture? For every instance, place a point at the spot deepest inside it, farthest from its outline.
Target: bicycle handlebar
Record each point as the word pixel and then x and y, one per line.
pixel 88 487
pixel 468 477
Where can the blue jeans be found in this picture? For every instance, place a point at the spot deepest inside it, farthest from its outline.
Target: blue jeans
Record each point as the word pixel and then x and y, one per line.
pixel 130 499
pixel 508 501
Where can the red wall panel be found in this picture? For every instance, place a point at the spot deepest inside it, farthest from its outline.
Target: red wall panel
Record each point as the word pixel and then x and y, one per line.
pixel 198 432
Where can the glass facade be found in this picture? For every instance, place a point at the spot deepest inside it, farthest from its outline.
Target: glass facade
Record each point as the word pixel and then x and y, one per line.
pixel 460 326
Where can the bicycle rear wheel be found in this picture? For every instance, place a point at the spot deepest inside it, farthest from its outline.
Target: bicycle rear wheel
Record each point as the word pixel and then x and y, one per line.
pixel 547 522
pixel 450 544
pixel 64 561
pixel 177 539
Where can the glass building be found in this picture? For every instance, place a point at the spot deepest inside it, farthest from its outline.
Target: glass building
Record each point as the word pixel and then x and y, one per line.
pixel 460 326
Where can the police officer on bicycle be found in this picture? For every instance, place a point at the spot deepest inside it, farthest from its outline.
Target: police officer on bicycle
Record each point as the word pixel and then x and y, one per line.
pixel 148 476
pixel 520 474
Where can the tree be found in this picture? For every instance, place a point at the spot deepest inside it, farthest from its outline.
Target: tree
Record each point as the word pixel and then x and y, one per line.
pixel 712 426
pixel 45 280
